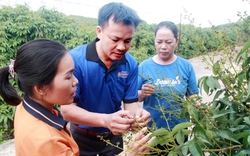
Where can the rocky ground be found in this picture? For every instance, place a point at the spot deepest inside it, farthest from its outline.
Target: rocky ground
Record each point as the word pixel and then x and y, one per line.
pixel 7 149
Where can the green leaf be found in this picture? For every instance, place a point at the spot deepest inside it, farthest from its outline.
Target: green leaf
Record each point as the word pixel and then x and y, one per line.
pixel 238 120
pixel 184 150
pixel 181 126
pixel 201 83
pixel 180 138
pixel 240 78
pixel 222 113
pixel 248 72
pixel 161 140
pixel 193 111
pixel 243 153
pixel 200 133
pixel 243 50
pixel 160 132
pixel 247 120
pixel 205 86
pixel 218 93
pixel 238 127
pixel 216 68
pixel 226 102
pixel 172 153
pixel 242 135
pixel 226 134
pixel 249 88
pixel 195 149
pixel 246 141
pixel 213 83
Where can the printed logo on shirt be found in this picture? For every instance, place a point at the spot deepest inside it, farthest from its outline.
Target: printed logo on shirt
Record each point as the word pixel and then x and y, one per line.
pixel 168 81
pixel 123 74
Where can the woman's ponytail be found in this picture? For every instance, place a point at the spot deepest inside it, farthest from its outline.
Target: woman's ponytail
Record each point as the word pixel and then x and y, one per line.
pixel 7 91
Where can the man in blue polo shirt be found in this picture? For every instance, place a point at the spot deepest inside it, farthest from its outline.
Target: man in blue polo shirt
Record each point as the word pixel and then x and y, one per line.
pixel 107 76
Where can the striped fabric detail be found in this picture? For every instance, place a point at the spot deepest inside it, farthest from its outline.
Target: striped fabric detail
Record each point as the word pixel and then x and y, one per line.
pixel 45 115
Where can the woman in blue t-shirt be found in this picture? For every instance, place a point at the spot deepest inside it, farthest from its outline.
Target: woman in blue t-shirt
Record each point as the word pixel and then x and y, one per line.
pixel 166 79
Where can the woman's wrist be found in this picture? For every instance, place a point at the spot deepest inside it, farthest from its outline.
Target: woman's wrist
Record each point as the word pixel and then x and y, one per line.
pixel 141 96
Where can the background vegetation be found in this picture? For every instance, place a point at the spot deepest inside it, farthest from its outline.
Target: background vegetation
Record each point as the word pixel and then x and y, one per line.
pixel 19 25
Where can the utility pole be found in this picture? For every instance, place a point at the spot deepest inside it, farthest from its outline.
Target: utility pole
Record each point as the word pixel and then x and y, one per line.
pixel 179 36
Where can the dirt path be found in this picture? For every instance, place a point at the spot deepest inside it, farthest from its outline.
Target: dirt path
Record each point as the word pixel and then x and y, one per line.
pixel 201 70
pixel 7 149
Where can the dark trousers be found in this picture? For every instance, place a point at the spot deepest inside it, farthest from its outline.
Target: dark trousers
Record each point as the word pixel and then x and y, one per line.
pixel 92 145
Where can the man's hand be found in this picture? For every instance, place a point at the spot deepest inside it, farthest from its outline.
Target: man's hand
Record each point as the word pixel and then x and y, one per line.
pixel 119 122
pixel 142 118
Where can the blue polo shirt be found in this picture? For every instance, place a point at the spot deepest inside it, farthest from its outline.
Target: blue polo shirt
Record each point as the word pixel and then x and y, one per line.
pixel 102 90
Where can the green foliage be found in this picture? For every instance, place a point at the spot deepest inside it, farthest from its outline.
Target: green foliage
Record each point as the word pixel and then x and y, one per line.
pixel 19 25
pixel 227 116
pixel 6 115
pixel 143 42
pixel 6 121
pixel 190 42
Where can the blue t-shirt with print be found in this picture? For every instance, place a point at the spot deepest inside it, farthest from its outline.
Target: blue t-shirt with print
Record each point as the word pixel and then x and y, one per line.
pixel 172 83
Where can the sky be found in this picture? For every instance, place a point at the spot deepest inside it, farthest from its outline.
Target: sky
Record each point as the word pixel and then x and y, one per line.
pixel 203 12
